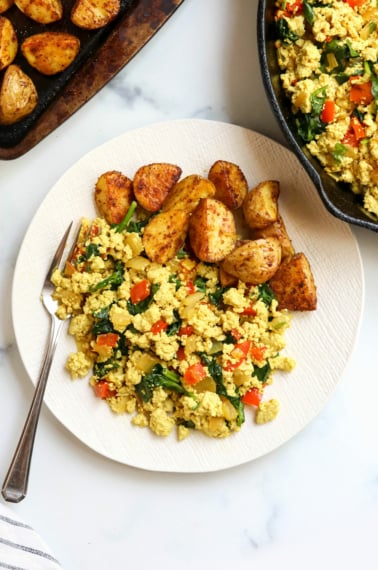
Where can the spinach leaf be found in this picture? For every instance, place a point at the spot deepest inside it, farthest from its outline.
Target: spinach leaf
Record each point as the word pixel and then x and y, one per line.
pixel 215 371
pixel 338 152
pixel 262 372
pixel 159 376
pixel 200 284
pixel 125 222
pixel 142 306
pixel 101 369
pixel 308 12
pixel 286 35
pixel 265 294
pixel 174 327
pixel 113 281
pixel 216 297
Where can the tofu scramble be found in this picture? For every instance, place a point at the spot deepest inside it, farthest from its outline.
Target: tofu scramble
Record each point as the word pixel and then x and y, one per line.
pixel 328 53
pixel 167 343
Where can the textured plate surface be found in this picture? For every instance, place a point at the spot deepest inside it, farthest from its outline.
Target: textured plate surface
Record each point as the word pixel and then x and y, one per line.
pixel 321 342
pixel 337 197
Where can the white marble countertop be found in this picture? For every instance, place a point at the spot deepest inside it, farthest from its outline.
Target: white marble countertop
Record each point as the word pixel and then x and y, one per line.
pixel 313 502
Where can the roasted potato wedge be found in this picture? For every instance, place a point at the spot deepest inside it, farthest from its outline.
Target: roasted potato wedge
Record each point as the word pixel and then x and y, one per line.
pixel 153 182
pixel 188 192
pixel 293 284
pixel 94 14
pixel 226 279
pixel 254 261
pixel 212 232
pixel 260 206
pixel 165 234
pixel 18 95
pixel 5 5
pixel 8 42
pixel 113 196
pixel 42 11
pixel 50 52
pixel 230 183
pixel 278 230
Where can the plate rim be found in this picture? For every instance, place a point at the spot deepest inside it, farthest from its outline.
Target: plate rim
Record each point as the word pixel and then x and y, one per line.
pixel 199 123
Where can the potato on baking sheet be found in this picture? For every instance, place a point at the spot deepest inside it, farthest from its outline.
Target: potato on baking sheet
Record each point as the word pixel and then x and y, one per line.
pixel 188 192
pixel 230 183
pixel 293 284
pixel 165 234
pixel 5 5
pixel 254 261
pixel 94 14
pixel 212 232
pixel 278 230
pixel 18 95
pixel 153 182
pixel 41 11
pixel 260 206
pixel 113 196
pixel 50 52
pixel 8 42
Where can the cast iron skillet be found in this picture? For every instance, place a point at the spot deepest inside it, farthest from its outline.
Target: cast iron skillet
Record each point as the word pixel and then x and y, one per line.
pixel 48 87
pixel 337 198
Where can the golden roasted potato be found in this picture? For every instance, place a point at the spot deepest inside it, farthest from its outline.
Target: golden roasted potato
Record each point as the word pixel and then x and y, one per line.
pixel 18 95
pixel 293 284
pixel 230 183
pixel 188 192
pixel 94 14
pixel 113 196
pixel 42 11
pixel 226 279
pixel 50 52
pixel 5 5
pixel 153 182
pixel 278 230
pixel 260 206
pixel 8 42
pixel 165 234
pixel 254 261
pixel 212 232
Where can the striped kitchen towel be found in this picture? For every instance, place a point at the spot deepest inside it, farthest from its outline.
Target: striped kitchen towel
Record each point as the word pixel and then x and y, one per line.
pixel 21 548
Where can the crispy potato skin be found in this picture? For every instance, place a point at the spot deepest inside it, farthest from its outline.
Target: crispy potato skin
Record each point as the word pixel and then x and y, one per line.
pixel 18 95
pixel 226 279
pixel 42 11
pixel 113 196
pixel 260 206
pixel 5 5
pixel 230 183
pixel 277 230
pixel 165 234
pixel 254 261
pixel 50 52
pixel 212 232
pixel 293 284
pixel 8 42
pixel 187 193
pixel 153 182
pixel 94 14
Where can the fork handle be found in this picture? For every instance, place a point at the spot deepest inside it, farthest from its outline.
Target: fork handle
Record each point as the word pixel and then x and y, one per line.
pixel 16 481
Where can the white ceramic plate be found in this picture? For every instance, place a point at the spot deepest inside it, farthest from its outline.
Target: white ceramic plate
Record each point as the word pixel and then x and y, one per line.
pixel 321 341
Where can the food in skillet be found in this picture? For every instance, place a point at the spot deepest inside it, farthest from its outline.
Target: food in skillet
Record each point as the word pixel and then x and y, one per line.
pixel 18 95
pixel 179 326
pixel 327 51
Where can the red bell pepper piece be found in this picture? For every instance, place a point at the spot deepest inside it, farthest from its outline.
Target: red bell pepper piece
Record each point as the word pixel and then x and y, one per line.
pixel 140 291
pixel 195 373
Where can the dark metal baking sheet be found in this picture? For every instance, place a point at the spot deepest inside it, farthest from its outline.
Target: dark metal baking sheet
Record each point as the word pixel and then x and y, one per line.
pixel 111 49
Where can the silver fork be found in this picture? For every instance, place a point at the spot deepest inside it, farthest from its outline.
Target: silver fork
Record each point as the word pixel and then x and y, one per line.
pixel 16 481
